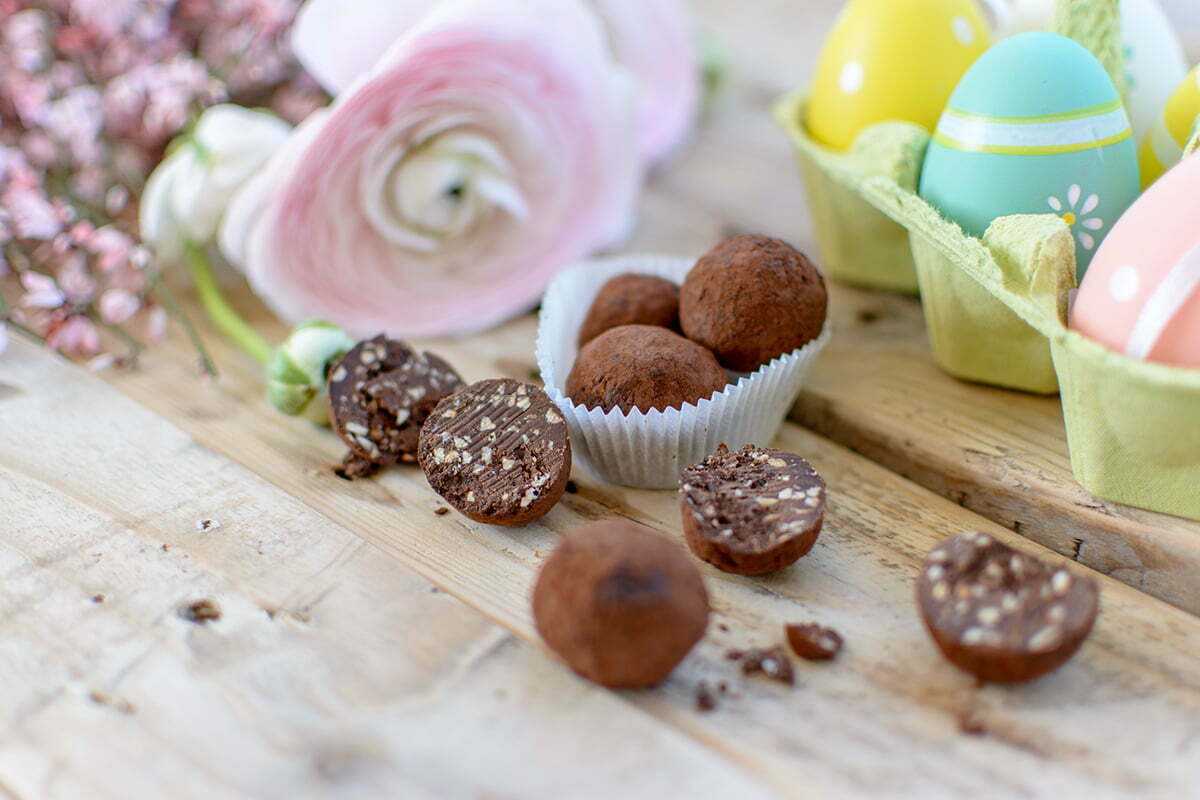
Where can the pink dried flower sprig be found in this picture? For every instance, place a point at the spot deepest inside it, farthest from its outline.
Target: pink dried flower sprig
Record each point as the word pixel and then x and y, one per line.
pixel 91 91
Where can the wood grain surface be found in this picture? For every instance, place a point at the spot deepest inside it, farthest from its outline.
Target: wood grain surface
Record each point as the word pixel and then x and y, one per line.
pixel 370 647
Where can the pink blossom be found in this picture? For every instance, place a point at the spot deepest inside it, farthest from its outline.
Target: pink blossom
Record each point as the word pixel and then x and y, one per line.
pixel 118 305
pixel 74 280
pixel 41 291
pixel 3 336
pixel 33 215
pixel 487 151
pixel 339 41
pixel 102 362
pixel 75 335
pixel 113 247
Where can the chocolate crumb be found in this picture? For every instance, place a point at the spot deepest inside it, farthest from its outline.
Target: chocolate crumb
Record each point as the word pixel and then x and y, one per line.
pixel 733 655
pixel 970 724
pixel 721 626
pixel 97 598
pixel 723 687
pixel 201 612
pixel 441 511
pixel 206 525
pixel 354 466
pixel 771 663
pixel 572 488
pixel 705 701
pixel 814 642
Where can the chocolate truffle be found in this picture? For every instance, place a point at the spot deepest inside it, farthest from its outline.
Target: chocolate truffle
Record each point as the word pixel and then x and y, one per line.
pixel 621 604
pixel 751 299
pixel 814 642
pixel 1000 614
pixel 632 300
pixel 498 451
pixel 752 511
pixel 379 396
pixel 644 367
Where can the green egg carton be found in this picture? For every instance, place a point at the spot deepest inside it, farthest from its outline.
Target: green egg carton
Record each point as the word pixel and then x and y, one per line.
pixel 859 245
pixel 1131 425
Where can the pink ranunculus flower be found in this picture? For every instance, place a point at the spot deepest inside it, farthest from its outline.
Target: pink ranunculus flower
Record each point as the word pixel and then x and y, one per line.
pixel 486 150
pixel 340 40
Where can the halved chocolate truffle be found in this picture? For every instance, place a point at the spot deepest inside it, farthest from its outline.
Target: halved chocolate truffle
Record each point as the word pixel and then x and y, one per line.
pixel 644 367
pixel 1000 614
pixel 751 511
pixel 632 300
pixel 498 451
pixel 751 299
pixel 380 394
pixel 621 604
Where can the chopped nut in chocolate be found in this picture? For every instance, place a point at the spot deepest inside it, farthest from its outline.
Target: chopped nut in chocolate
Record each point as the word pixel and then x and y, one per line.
pixel 498 451
pixel 1000 614
pixel 771 663
pixel 752 511
pixel 814 642
pixel 379 396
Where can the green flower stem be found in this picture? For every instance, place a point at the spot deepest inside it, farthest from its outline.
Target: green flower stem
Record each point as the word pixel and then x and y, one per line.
pixel 219 310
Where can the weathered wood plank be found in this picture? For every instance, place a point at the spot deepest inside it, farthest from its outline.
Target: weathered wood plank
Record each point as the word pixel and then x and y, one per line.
pixel 332 671
pixel 882 721
pixel 1002 454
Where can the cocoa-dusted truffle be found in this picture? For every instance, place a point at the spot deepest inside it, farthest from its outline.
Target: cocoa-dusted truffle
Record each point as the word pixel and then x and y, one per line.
pixel 751 299
pixel 644 367
pixel 621 604
pixel 1000 614
pixel 632 300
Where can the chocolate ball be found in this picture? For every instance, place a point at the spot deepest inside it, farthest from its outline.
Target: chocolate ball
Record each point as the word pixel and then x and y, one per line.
pixel 621 604
pixel 632 300
pixel 641 366
pixel 752 298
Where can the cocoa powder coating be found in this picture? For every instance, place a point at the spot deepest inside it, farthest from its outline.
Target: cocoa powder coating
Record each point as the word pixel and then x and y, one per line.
pixel 632 300
pixel 753 298
pixel 644 367
pixel 621 604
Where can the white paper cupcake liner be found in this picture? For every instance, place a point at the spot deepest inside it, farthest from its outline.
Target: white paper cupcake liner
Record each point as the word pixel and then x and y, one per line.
pixel 649 450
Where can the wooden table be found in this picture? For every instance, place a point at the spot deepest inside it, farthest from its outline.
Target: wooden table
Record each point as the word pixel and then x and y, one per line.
pixel 368 647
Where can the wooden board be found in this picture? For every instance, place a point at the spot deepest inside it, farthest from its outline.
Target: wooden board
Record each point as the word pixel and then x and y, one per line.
pixel 882 720
pixel 336 670
pixel 1002 454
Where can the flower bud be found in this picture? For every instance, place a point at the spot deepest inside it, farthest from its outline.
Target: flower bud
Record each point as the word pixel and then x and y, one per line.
pixel 187 194
pixel 297 370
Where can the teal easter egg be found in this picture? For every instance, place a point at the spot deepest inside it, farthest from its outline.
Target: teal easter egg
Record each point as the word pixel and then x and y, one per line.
pixel 1034 127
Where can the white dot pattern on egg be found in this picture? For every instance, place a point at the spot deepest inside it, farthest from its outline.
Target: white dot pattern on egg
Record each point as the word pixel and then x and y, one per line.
pixel 1124 284
pixel 852 78
pixel 963 31
pixel 1141 296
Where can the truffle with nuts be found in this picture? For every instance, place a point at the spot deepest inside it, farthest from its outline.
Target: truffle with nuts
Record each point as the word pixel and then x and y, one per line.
pixel 498 451
pixel 1000 614
pixel 752 511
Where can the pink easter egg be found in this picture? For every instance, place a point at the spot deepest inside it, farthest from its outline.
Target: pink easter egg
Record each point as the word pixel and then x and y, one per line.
pixel 1141 294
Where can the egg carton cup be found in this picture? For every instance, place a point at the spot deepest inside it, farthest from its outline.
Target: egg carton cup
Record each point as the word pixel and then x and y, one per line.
pixel 649 450
pixel 858 245
pixel 861 247
pixel 1131 425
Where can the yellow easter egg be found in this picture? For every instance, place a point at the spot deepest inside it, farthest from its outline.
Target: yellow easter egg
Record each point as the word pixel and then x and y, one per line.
pixel 1163 145
pixel 889 60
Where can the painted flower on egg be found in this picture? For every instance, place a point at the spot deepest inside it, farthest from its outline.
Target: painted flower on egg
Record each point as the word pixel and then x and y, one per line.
pixel 1076 216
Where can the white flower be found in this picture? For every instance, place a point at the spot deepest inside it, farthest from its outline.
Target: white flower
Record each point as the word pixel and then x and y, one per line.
pixel 186 196
pixel 296 372
pixel 1076 216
